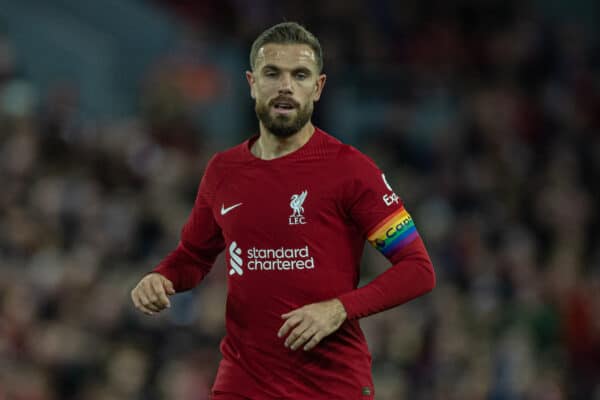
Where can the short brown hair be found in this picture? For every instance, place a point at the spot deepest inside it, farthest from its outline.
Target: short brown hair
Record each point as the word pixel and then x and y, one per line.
pixel 287 33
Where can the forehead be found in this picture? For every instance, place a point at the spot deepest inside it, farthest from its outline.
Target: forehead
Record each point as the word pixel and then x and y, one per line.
pixel 286 55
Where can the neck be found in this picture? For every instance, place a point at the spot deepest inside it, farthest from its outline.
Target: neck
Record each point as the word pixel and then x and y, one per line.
pixel 269 146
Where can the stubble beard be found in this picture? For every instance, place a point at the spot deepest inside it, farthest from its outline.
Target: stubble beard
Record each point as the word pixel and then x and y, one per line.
pixel 283 125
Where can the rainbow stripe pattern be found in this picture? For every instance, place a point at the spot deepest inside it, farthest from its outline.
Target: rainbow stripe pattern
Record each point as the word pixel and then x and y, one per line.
pixel 393 233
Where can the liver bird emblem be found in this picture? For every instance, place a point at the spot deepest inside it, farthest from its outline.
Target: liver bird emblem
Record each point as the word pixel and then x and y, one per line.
pixel 296 203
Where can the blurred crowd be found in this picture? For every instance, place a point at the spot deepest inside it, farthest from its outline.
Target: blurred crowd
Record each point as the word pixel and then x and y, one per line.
pixel 487 125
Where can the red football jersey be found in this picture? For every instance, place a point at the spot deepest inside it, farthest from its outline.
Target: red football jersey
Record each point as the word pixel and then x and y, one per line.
pixel 293 229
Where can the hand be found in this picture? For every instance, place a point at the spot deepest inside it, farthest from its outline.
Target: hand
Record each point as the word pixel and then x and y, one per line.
pixel 311 323
pixel 150 294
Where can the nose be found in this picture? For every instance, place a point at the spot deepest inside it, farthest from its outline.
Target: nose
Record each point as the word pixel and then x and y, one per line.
pixel 285 84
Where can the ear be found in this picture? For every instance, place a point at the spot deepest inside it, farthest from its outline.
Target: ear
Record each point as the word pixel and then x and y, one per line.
pixel 320 84
pixel 251 81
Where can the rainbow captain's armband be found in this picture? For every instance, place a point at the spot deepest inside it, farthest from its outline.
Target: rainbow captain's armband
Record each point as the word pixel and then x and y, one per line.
pixel 393 233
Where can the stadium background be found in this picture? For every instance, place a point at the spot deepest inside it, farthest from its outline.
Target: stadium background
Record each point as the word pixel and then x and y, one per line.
pixel 485 115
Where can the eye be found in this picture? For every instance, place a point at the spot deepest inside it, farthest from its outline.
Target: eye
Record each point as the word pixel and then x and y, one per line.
pixel 270 74
pixel 301 75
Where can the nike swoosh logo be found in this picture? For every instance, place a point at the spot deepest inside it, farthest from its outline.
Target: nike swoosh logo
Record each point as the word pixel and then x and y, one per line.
pixel 226 210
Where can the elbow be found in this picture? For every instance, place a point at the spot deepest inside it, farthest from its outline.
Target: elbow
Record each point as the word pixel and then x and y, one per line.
pixel 432 280
pixel 429 279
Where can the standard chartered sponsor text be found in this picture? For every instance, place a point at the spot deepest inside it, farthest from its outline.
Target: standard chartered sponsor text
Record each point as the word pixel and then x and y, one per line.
pixel 281 259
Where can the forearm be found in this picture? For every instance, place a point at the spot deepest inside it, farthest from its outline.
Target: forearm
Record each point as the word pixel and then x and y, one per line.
pixel 184 267
pixel 411 276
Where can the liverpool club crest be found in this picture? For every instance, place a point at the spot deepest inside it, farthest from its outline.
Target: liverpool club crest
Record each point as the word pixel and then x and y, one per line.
pixel 297 217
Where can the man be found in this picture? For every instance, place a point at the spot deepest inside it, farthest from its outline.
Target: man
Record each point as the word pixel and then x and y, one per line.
pixel 292 207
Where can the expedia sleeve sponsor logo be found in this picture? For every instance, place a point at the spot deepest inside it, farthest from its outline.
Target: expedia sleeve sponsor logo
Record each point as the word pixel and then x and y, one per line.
pixel 393 233
pixel 265 259
pixel 390 198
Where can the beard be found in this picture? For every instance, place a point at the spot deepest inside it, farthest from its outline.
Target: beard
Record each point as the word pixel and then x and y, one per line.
pixel 283 125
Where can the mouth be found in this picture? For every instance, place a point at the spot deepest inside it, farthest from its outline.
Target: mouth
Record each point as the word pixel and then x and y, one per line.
pixel 283 106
